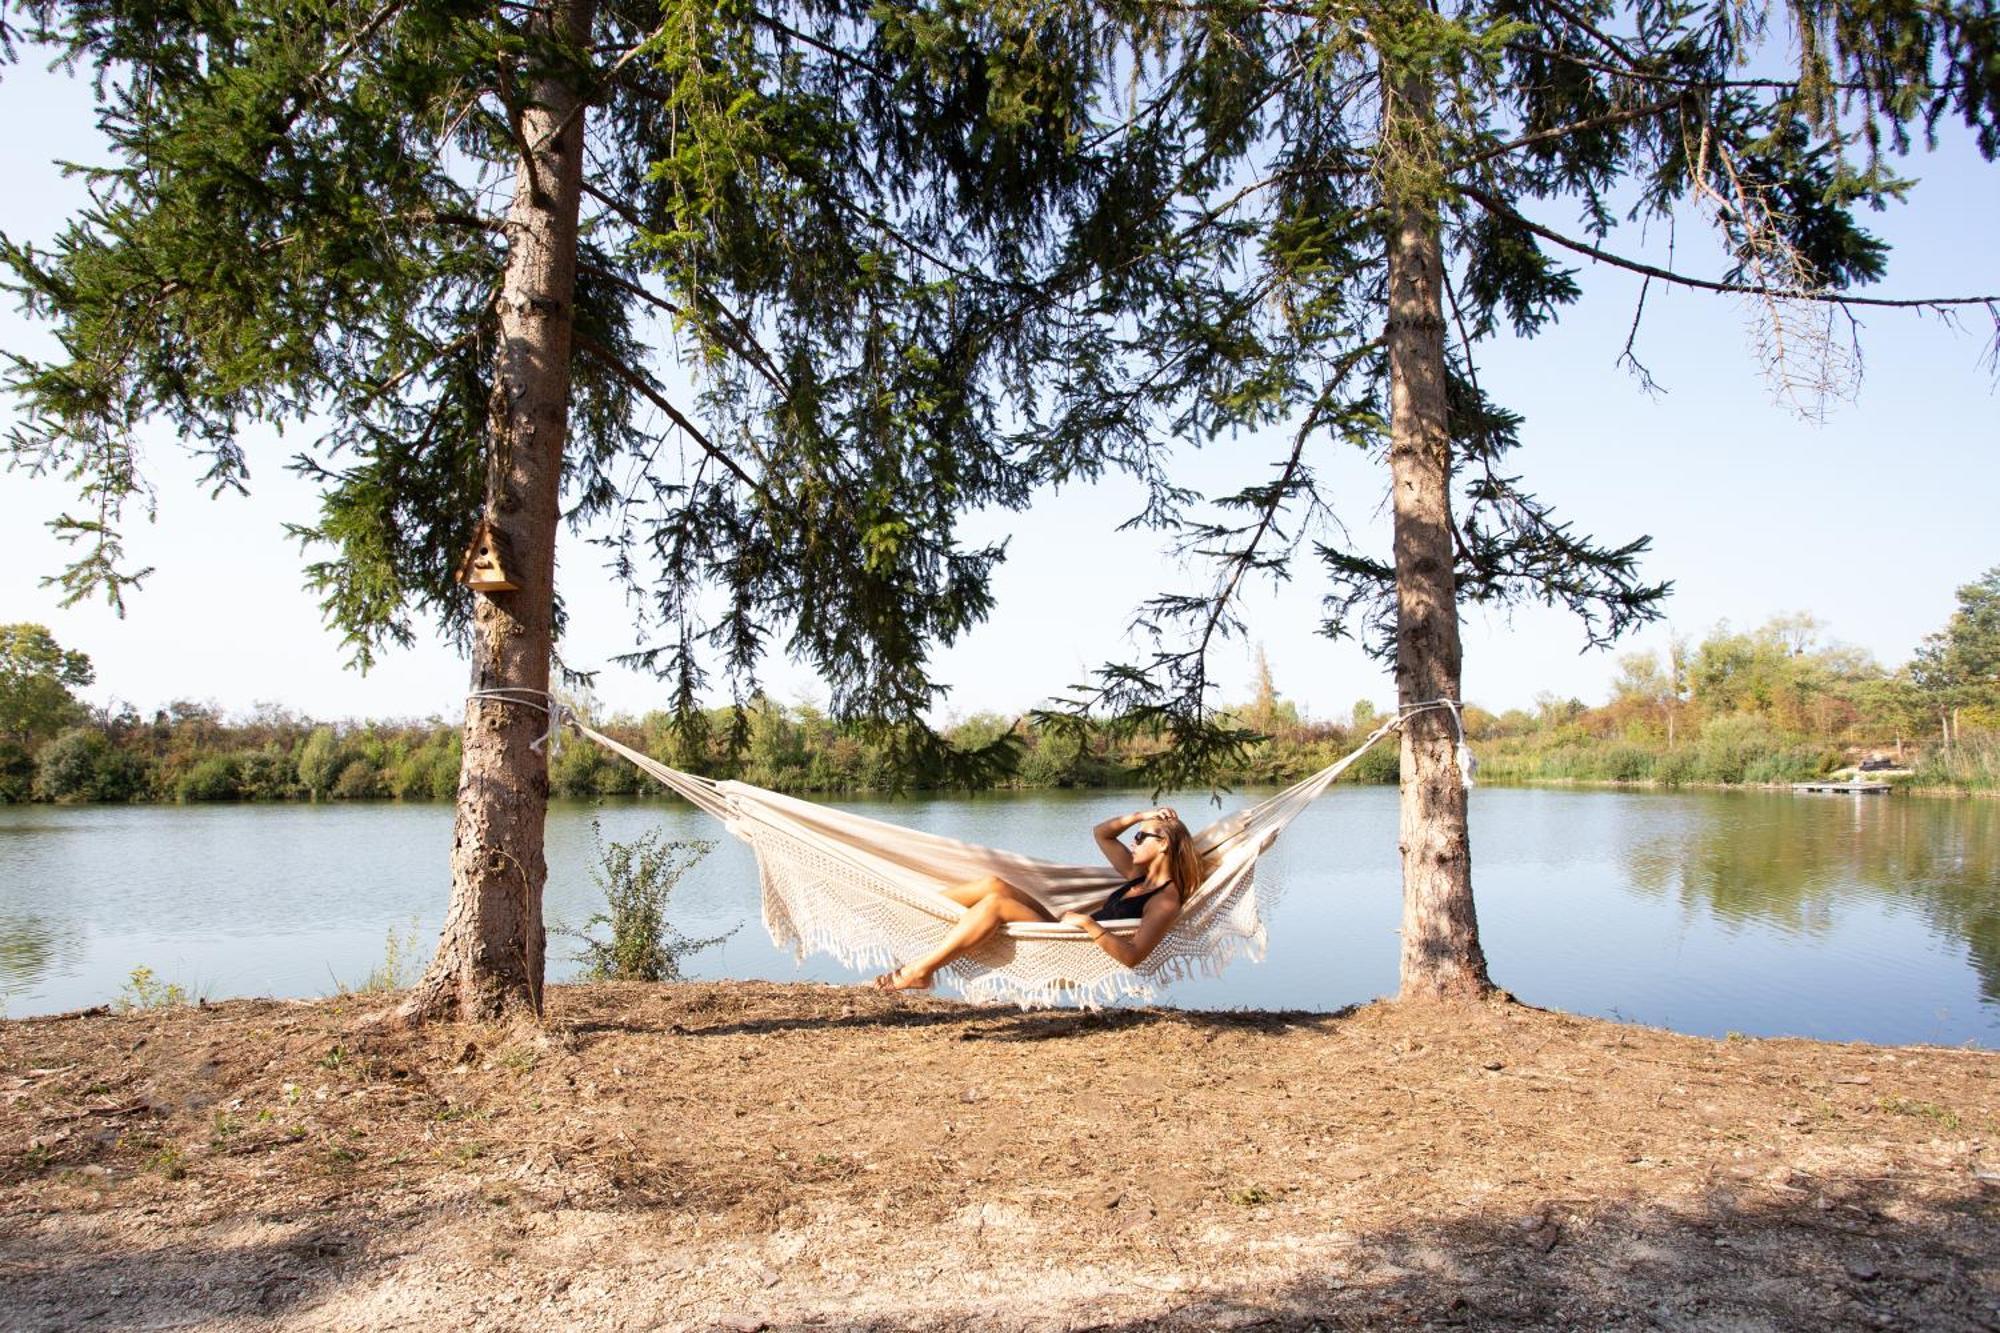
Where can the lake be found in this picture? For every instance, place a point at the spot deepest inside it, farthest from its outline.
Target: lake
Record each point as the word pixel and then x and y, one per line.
pixel 1842 918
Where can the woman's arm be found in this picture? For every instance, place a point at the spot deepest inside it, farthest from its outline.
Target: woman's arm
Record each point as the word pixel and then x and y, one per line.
pixel 1131 950
pixel 1115 851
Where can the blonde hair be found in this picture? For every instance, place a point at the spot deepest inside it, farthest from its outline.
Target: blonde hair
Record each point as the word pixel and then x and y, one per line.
pixel 1189 866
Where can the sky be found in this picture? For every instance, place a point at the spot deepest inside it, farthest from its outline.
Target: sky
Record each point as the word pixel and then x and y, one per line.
pixel 1868 520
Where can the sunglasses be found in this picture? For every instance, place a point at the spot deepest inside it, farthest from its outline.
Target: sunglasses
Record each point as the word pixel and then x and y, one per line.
pixel 1143 834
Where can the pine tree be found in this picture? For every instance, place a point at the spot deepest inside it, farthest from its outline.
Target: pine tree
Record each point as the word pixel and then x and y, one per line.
pixel 1313 213
pixel 455 232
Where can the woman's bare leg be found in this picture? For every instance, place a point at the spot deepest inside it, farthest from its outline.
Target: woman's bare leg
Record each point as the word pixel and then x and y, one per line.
pixel 969 893
pixel 991 903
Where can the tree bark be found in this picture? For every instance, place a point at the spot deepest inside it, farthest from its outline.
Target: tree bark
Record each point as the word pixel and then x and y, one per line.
pixel 490 957
pixel 1441 959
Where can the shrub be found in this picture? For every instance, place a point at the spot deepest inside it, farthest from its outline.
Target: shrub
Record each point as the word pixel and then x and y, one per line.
pixel 1382 764
pixel 320 762
pixel 359 781
pixel 66 770
pixel 145 991
pixel 637 878
pixel 400 966
pixel 1973 763
pixel 1626 763
pixel 573 771
pixel 444 769
pixel 264 775
pixel 1730 745
pixel 81 765
pixel 1055 760
pixel 1676 767
pixel 215 778
pixel 17 773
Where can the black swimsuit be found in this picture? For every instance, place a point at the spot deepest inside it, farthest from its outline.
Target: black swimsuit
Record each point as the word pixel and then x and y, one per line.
pixel 1120 908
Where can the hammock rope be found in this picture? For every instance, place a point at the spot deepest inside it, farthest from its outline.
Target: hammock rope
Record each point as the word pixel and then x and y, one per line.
pixel 871 893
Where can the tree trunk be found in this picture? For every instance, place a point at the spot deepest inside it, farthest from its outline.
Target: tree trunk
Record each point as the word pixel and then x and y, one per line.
pixel 1441 954
pixel 490 957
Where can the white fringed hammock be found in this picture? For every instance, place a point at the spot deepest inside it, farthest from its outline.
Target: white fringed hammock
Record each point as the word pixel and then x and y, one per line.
pixel 872 894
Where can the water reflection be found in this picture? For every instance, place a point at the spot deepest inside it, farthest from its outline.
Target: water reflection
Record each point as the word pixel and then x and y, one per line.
pixel 1795 862
pixel 30 948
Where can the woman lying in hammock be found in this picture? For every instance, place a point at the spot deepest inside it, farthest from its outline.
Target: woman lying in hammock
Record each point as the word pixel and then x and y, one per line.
pixel 1161 867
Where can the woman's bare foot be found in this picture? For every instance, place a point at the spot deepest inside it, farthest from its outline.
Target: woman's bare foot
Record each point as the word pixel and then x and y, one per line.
pixel 902 979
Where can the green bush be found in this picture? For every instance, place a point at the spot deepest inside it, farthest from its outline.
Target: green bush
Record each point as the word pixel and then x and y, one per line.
pixel 1627 763
pixel 215 778
pixel 81 765
pixel 1676 768
pixel 359 781
pixel 264 775
pixel 574 770
pixel 1381 765
pixel 66 769
pixel 17 773
pixel 1730 745
pixel 429 772
pixel 637 878
pixel 1973 764
pixel 321 760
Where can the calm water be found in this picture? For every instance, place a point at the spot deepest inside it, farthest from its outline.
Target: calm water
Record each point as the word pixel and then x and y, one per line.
pixel 1853 919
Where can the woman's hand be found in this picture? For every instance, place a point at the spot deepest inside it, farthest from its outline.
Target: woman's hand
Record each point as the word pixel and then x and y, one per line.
pixel 1078 920
pixel 1164 812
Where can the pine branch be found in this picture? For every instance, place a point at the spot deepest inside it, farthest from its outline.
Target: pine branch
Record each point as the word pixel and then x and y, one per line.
pixel 1499 209
pixel 644 387
pixel 758 359
pixel 1563 131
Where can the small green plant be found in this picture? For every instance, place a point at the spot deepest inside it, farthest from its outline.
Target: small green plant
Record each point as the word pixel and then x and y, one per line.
pixel 145 991
pixel 341 1158
pixel 1250 1196
pixel 169 1162
pixel 1941 1116
pixel 637 878
pixel 400 962
pixel 335 1057
pixel 224 1128
pixel 519 1060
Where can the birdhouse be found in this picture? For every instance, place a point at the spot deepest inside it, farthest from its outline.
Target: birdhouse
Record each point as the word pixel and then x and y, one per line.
pixel 487 563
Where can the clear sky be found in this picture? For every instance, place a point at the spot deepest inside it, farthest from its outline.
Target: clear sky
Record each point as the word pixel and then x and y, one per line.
pixel 1869 520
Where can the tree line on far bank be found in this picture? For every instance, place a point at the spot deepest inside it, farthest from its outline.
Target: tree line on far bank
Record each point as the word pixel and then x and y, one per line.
pixel 1777 703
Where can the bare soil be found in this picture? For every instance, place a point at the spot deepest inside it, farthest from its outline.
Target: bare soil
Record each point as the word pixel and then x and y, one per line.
pixel 750 1156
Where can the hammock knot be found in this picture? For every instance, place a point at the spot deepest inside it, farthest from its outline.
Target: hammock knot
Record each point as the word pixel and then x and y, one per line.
pixel 540 700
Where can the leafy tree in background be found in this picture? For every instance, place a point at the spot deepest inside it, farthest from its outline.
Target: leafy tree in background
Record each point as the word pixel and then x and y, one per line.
pixel 37 677
pixel 1974 631
pixel 1959 666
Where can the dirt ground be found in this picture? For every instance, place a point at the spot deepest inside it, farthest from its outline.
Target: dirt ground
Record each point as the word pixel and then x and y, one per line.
pixel 749 1156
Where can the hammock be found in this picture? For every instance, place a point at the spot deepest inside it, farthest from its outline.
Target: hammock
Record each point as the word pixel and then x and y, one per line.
pixel 871 893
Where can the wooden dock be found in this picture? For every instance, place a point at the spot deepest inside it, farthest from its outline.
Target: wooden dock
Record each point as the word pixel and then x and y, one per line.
pixel 1846 788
